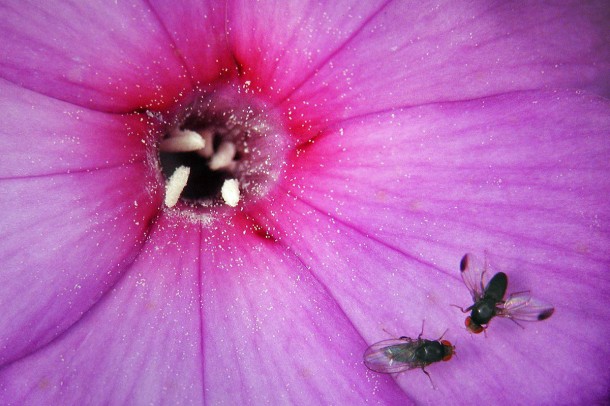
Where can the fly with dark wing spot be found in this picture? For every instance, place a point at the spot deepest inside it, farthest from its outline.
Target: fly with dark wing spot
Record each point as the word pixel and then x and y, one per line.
pixel 489 298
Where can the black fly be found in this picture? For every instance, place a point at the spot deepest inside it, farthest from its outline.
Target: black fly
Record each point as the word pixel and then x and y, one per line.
pixel 489 298
pixel 402 354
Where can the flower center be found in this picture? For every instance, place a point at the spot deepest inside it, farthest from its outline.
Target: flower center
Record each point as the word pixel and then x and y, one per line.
pixel 223 150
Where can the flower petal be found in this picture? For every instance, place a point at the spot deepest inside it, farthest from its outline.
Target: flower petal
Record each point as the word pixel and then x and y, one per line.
pixel 112 57
pixel 141 344
pixel 388 291
pixel 245 329
pixel 65 241
pixel 407 193
pixel 272 333
pixel 278 44
pixel 504 167
pixel 197 28
pixel 384 292
pixel 413 54
pixel 44 136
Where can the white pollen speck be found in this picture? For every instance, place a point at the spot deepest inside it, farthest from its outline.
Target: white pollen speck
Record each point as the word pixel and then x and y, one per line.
pixel 175 184
pixel 230 192
pixel 223 156
pixel 182 141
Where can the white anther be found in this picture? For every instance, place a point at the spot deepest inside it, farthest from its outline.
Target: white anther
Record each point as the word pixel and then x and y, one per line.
pixel 208 137
pixel 223 157
pixel 175 185
pixel 230 192
pixel 182 141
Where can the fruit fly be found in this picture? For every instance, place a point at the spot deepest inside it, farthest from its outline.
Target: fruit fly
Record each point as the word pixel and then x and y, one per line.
pixel 489 298
pixel 397 355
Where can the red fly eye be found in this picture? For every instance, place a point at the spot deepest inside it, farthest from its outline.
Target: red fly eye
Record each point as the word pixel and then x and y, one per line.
pixel 475 328
pixel 448 348
pixel 472 326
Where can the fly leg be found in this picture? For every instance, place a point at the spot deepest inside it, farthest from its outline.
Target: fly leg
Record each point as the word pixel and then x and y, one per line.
pixel 429 377
pixel 422 332
pixel 523 292
pixel 462 309
pixel 388 333
pixel 516 322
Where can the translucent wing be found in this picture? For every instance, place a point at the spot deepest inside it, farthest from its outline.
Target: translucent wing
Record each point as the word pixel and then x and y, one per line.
pixel 391 356
pixel 473 273
pixel 521 306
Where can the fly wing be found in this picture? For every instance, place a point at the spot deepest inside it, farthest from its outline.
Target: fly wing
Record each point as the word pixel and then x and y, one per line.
pixel 521 306
pixel 391 356
pixel 473 274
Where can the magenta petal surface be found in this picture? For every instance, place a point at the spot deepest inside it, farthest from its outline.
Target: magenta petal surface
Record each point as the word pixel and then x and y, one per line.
pixel 57 257
pixel 383 291
pixel 393 201
pixel 45 136
pixel 279 44
pixel 273 334
pixel 86 53
pixel 254 327
pixel 140 345
pixel 63 173
pixel 198 30
pixel 497 172
pixel 424 131
pixel 411 54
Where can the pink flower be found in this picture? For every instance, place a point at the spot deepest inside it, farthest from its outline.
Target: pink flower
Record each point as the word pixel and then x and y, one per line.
pixel 376 142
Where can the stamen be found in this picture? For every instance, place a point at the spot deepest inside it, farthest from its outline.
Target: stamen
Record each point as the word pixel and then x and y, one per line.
pixel 230 192
pixel 182 141
pixel 175 184
pixel 208 150
pixel 223 157
pixel 214 156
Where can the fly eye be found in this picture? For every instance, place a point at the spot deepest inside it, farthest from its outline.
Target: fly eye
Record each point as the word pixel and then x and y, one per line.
pixel 448 349
pixel 472 326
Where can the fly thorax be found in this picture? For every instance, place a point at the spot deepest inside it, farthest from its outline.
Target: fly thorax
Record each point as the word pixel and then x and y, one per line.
pixel 430 351
pixel 483 311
